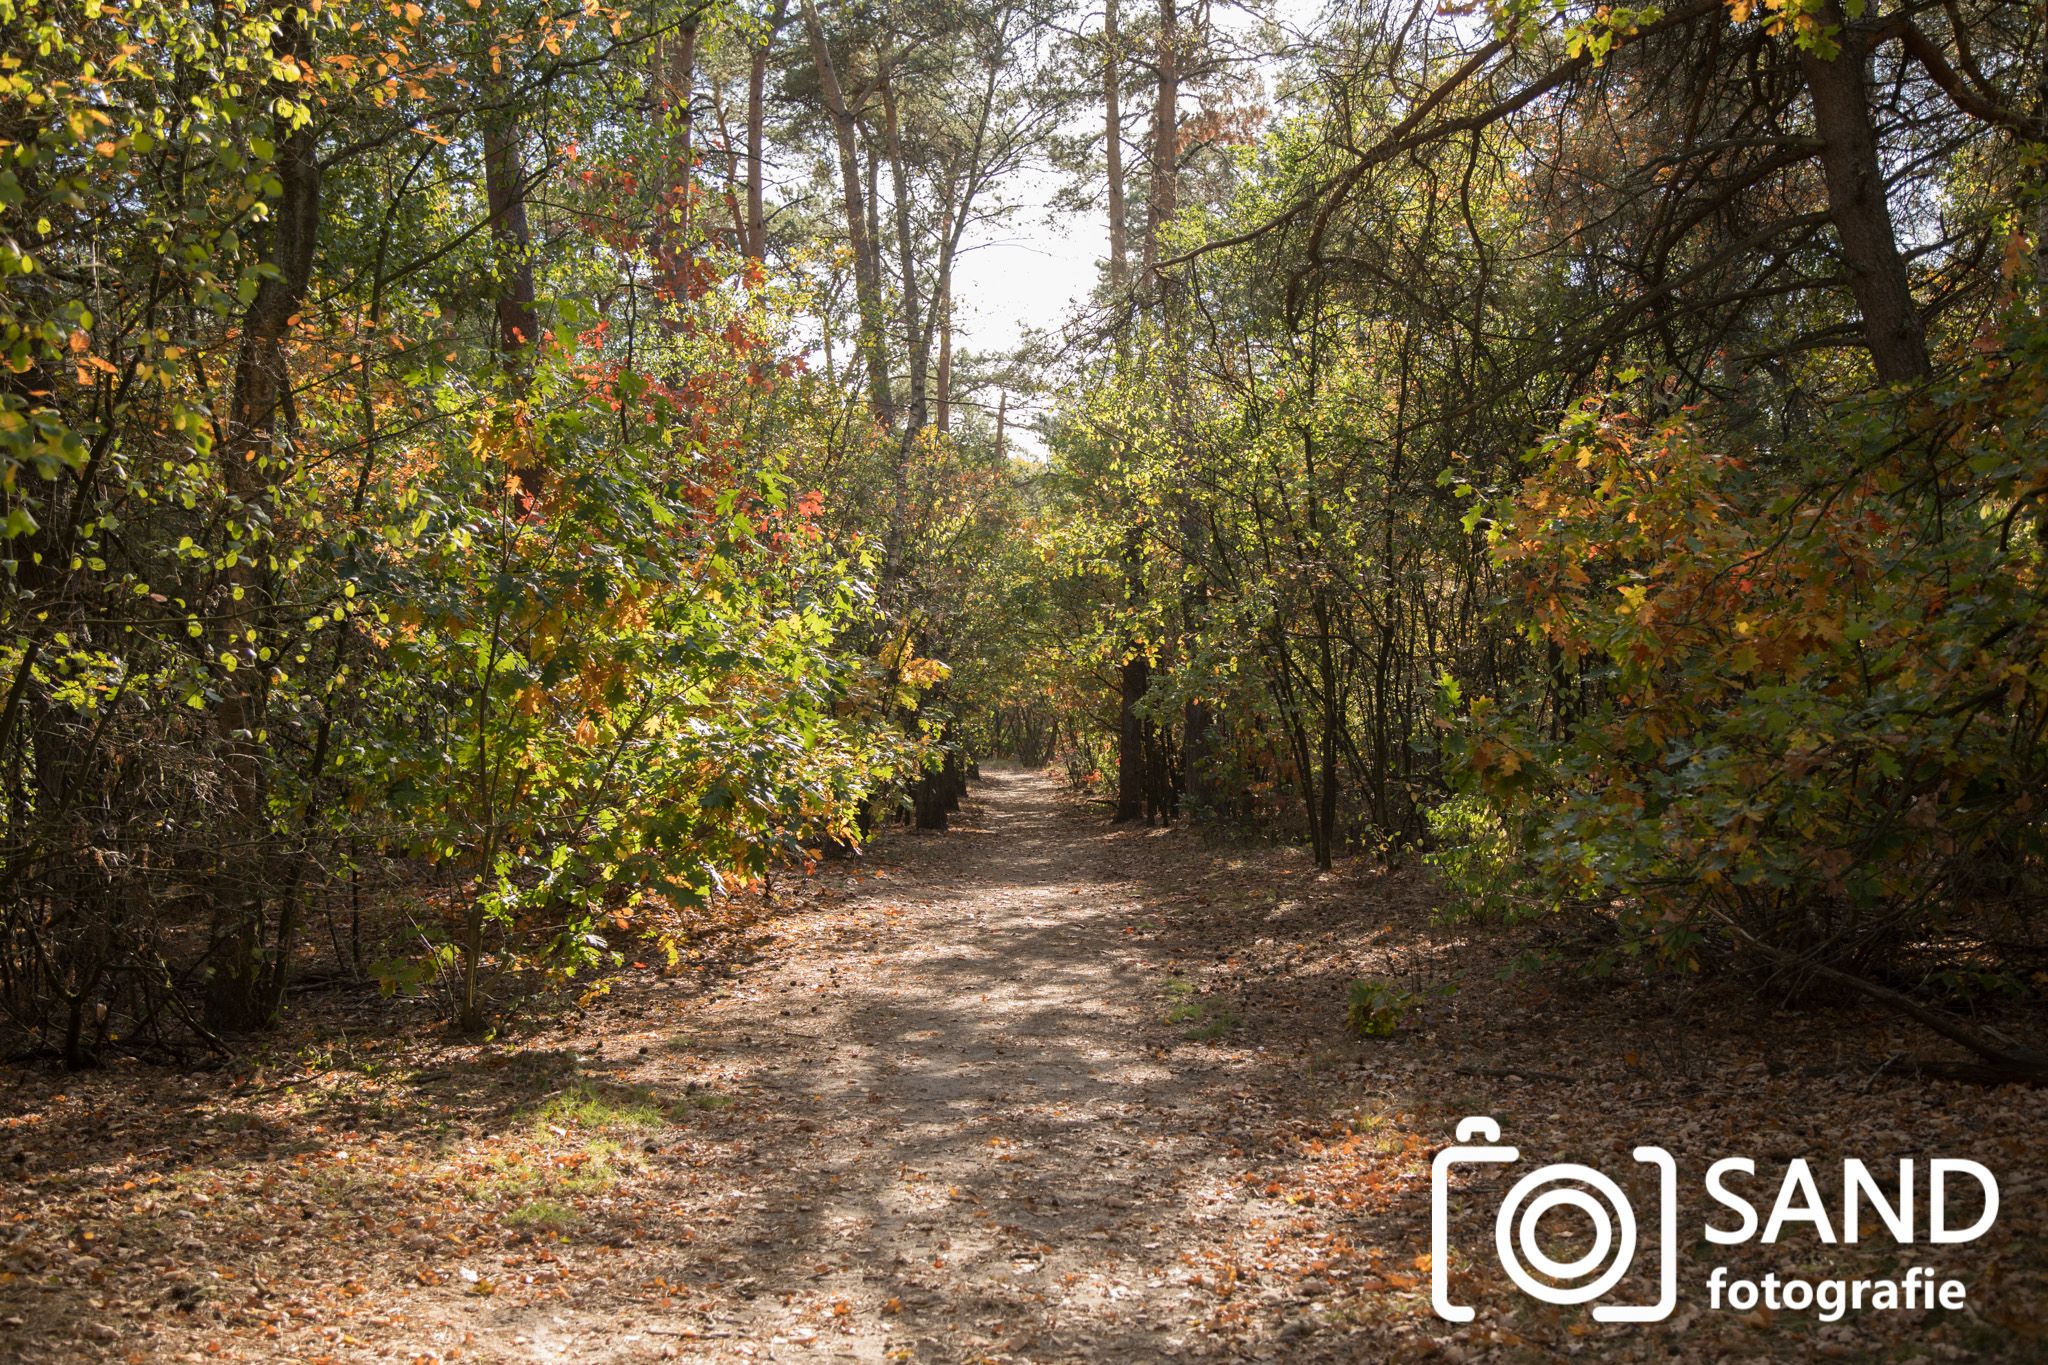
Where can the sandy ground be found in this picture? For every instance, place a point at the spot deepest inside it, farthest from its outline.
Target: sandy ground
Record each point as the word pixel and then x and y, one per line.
pixel 1036 1089
pixel 979 1148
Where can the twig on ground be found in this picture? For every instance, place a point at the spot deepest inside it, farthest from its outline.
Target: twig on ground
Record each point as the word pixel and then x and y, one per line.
pixel 1500 1073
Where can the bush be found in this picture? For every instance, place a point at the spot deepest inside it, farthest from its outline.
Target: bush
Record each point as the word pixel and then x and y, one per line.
pixel 1474 857
pixel 1798 698
pixel 1377 1008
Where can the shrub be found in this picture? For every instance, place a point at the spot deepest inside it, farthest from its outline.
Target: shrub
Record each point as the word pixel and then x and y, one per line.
pixel 1377 1008
pixel 1798 701
pixel 1474 856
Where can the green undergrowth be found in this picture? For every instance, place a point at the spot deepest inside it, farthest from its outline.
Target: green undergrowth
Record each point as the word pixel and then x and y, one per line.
pixel 1203 1020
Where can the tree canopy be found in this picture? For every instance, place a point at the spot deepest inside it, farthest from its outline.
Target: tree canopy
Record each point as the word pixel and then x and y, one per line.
pixel 522 468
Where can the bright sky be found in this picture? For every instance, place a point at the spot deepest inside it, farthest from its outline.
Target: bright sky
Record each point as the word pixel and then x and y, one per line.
pixel 1030 273
pixel 1029 276
pixel 1033 273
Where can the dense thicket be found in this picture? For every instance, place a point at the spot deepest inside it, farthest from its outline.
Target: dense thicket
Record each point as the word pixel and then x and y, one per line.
pixel 437 478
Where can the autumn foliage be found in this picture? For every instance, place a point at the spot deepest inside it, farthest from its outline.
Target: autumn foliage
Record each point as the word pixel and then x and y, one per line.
pixel 410 503
pixel 1805 709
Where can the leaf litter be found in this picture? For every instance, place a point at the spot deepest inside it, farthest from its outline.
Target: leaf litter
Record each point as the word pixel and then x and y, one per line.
pixel 1037 1089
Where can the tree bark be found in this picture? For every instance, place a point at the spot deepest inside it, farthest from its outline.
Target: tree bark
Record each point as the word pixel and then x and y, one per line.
pixel 873 172
pixel 505 200
pixel 734 177
pixel 916 343
pixel 1135 677
pixel 1113 143
pixel 1133 752
pixel 1839 86
pixel 1164 206
pixel 866 278
pixel 944 303
pixel 518 319
pixel 756 244
pixel 1164 199
pixel 250 454
pixel 678 224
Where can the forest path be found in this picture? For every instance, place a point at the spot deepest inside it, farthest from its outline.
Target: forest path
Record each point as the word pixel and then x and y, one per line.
pixel 978 1149
pixel 1034 1089
pixel 1038 1089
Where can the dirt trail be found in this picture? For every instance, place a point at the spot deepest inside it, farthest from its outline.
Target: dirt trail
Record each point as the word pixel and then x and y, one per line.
pixel 988 1155
pixel 946 1103
pixel 1034 1090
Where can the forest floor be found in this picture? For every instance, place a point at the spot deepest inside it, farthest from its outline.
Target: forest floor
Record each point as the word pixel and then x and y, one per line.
pixel 1035 1089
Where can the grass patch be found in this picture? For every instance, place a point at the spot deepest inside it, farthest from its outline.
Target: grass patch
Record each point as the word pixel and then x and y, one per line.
pixel 594 1170
pixel 1201 1020
pixel 581 1141
pixel 594 1107
pixel 597 1108
pixel 505 1175
pixel 544 1215
pixel 703 1099
pixel 531 1175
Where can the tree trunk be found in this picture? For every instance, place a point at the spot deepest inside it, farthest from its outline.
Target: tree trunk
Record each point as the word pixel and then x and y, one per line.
pixel 873 164
pixel 866 278
pixel 1164 199
pixel 1197 781
pixel 518 320
pixel 678 225
pixel 944 415
pixel 730 147
pixel 2041 201
pixel 1324 815
pixel 1840 88
pixel 1113 143
pixel 249 456
pixel 756 243
pixel 505 199
pixel 1164 205
pixel 1130 742
pixel 916 343
pixel 1132 750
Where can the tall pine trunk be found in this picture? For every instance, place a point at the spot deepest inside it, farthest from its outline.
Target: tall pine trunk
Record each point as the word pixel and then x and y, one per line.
pixel 677 238
pixel 1172 297
pixel 1135 676
pixel 943 304
pixel 756 243
pixel 1113 143
pixel 1840 89
pixel 866 278
pixel 915 341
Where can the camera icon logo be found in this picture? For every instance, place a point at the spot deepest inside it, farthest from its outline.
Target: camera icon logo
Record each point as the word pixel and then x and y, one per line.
pixel 1561 1185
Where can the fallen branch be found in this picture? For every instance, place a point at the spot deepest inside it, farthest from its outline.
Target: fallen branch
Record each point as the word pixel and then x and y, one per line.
pixel 2003 1065
pixel 686 1333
